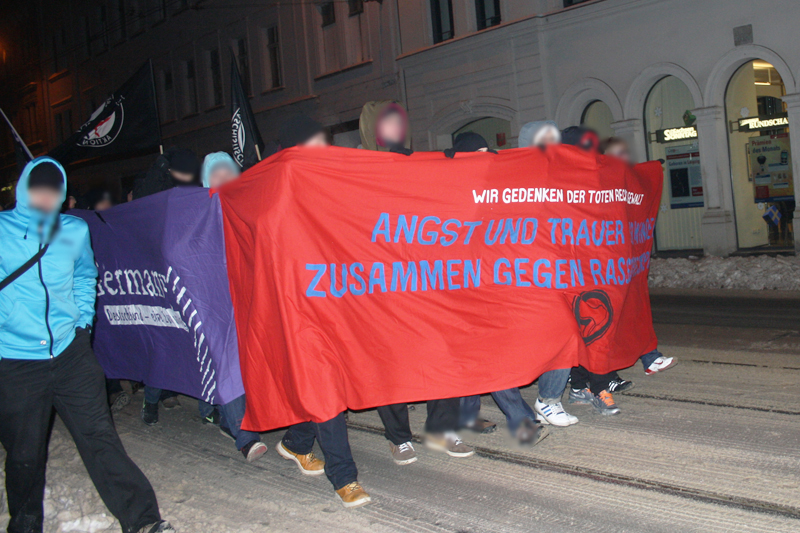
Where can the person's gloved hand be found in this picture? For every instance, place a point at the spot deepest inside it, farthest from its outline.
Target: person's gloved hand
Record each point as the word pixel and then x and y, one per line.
pixel 400 149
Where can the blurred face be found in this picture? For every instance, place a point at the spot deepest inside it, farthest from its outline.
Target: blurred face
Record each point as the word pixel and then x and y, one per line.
pixel 183 177
pixel 71 202
pixel 220 176
pixel 546 136
pixel 392 129
pixel 130 196
pixel 103 204
pixel 44 199
pixel 620 151
pixel 319 140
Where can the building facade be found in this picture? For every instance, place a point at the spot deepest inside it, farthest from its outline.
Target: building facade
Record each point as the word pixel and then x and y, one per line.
pixel 709 87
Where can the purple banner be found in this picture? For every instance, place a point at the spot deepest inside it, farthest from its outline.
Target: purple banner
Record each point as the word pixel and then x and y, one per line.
pixel 164 312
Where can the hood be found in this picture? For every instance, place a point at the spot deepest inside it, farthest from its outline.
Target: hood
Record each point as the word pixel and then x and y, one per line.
pixel 214 160
pixel 527 134
pixel 585 138
pixel 370 114
pixel 36 220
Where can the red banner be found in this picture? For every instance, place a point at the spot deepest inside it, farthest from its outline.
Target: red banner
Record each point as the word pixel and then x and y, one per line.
pixel 362 278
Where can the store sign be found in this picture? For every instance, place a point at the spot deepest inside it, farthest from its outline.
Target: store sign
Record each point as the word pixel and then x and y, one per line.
pixel 763 123
pixel 676 134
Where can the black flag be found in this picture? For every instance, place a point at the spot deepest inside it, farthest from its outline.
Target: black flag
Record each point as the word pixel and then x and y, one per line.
pixel 126 122
pixel 20 148
pixel 246 139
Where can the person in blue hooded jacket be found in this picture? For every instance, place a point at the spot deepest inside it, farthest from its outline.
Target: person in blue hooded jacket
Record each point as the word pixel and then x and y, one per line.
pixel 47 362
pixel 218 169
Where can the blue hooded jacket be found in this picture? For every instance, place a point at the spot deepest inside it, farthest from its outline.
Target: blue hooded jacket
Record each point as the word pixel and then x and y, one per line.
pixel 40 310
pixel 214 160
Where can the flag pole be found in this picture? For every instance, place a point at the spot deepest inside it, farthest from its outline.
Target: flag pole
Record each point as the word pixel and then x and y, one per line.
pixel 25 146
pixel 161 149
pixel 258 152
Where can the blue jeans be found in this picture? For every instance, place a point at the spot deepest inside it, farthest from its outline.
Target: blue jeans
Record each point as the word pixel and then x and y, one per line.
pixel 231 416
pixel 332 437
pixel 648 358
pixel 552 384
pixel 154 395
pixel 509 401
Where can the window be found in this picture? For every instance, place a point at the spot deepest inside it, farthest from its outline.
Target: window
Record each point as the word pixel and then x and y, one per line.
pixel 272 66
pixel 442 19
pixel 356 7
pixel 100 36
pixel 568 3
pixel 488 13
pixel 166 96
pixel 240 51
pixel 214 78
pixel 59 49
pixel 63 123
pixel 135 17
pixel 85 36
pixel 189 88
pixel 118 24
pixel 328 12
pixel 158 8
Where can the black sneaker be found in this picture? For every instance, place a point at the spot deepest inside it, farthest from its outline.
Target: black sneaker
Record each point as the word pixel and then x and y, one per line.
pixel 161 526
pixel 150 413
pixel 619 385
pixel 212 419
pixel 529 433
pixel 254 450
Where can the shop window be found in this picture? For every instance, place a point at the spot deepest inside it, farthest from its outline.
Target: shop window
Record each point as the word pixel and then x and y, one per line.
pixel 496 131
pixel 671 135
pixel 760 157
pixel 488 13
pixel 442 20
pixel 598 117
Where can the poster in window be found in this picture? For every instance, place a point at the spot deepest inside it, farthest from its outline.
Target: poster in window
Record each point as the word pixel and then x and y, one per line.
pixel 771 168
pixel 685 180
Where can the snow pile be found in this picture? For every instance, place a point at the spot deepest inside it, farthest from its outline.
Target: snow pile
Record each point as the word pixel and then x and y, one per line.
pixel 746 272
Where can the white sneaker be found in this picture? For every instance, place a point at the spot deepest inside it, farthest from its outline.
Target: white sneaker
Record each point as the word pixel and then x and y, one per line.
pixel 662 363
pixel 553 414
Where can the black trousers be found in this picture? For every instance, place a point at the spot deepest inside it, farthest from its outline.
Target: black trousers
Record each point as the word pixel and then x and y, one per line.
pixel 332 437
pixel 597 383
pixel 73 383
pixel 442 416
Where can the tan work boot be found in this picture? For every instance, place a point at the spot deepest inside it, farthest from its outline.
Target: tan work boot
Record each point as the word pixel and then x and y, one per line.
pixel 353 495
pixel 308 464
pixel 403 454
pixel 449 443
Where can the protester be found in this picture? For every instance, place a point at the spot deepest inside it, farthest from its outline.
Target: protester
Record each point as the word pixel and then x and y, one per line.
pixel 384 127
pixel 48 362
pixel 548 406
pixel 539 133
pixel 520 418
pixel 71 201
pixel 97 200
pixel 654 361
pixel 218 169
pixel 176 168
pixel 589 388
pixel 298 441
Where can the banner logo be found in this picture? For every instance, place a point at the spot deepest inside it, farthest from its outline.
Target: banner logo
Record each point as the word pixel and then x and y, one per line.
pixel 594 313
pixel 105 131
pixel 239 137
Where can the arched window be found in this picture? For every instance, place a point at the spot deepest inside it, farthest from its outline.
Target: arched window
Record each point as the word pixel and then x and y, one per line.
pixel 496 131
pixel 671 136
pixel 598 117
pixel 761 164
